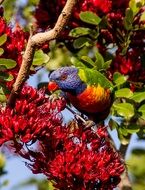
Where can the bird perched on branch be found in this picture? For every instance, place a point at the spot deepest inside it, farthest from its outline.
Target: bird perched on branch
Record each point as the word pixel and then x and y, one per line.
pixel 87 90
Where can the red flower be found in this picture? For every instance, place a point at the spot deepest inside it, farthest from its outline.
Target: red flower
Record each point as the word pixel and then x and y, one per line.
pixel 48 12
pixel 82 160
pixel 13 47
pixel 32 117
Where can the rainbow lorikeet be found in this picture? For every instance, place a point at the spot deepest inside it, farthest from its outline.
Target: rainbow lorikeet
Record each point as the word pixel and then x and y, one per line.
pixel 87 90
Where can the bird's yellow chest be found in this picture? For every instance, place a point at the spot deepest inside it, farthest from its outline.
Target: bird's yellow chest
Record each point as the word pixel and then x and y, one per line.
pixel 92 99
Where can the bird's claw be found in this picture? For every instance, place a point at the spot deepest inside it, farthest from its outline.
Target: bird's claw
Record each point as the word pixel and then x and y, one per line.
pixel 53 97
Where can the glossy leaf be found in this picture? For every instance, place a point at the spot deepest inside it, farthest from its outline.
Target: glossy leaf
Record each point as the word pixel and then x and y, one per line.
pixel 40 58
pixel 88 60
pixel 94 77
pixel 134 6
pixel 6 76
pixel 1 51
pixel 2 95
pixel 99 60
pixel 81 42
pixel 124 109
pixel 142 18
pixel 3 39
pixel 123 93
pixel 128 20
pixel 77 63
pixel 119 79
pixel 138 97
pixel 79 31
pixel 7 63
pixel 90 17
pixel 142 110
pixel 106 65
pixel 133 129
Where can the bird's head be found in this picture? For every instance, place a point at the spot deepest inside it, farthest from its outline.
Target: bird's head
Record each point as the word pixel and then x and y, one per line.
pixel 65 78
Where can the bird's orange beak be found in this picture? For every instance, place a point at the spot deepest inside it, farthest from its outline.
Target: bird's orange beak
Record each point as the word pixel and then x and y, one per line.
pixel 52 86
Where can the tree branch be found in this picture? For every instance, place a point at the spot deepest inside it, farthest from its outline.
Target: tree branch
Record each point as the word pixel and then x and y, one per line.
pixel 125 183
pixel 37 40
pixel 1 1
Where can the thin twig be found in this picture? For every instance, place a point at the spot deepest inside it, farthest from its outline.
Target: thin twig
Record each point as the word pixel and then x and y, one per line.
pixel 125 183
pixel 1 1
pixel 33 42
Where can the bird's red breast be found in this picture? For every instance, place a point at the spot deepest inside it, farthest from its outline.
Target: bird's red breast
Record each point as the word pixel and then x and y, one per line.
pixel 92 100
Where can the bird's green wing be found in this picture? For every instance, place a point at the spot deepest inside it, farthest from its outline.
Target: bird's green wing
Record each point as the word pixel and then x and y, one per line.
pixel 94 77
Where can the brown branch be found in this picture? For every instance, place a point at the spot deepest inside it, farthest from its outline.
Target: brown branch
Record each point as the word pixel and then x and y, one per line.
pixel 33 42
pixel 1 1
pixel 125 183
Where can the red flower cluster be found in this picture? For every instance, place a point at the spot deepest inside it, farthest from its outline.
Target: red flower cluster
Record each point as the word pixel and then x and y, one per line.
pixel 74 158
pixel 129 65
pixel 47 12
pixel 32 117
pixel 13 47
pixel 78 160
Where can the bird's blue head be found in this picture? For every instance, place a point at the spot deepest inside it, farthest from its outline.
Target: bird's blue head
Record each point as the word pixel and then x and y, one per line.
pixel 67 79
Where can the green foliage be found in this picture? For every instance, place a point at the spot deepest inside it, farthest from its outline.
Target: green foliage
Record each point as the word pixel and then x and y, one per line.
pixel 90 18
pixel 138 97
pixel 81 42
pixel 59 57
pixel 79 31
pixel 7 63
pixel 41 184
pixel 1 51
pixel 123 93
pixel 119 79
pixel 2 161
pixel 135 5
pixel 142 111
pixel 3 39
pixel 136 168
pixel 124 109
pixel 40 58
pixel 128 20
pixel 94 77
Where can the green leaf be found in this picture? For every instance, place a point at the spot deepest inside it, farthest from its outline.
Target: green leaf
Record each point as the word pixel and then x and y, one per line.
pixel 88 60
pixel 94 77
pixel 2 95
pixel 128 20
pixel 3 39
pixel 99 60
pixel 142 18
pixel 138 97
pixel 142 110
pixel 123 130
pixel 107 64
pixel 8 63
pixel 119 79
pixel 124 109
pixel 81 42
pixel 6 76
pixel 40 58
pixel 90 17
pixel 1 51
pixel 77 63
pixel 134 6
pixel 123 93
pixel 133 129
pixel 79 31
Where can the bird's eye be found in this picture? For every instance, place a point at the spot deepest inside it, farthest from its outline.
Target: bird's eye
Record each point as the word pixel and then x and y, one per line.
pixel 63 77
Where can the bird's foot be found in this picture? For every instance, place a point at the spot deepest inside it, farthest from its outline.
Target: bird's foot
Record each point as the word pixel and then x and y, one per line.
pixel 53 97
